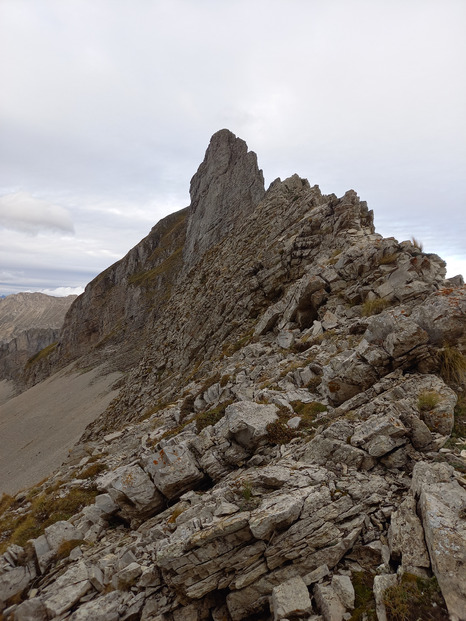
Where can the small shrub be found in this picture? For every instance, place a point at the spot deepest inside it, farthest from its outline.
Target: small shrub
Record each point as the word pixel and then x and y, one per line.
pixel 374 307
pixel 187 407
pixel 428 400
pixel 452 365
pixel 177 511
pixel 5 502
pixel 279 432
pixel 224 380
pixel 314 383
pixel 308 413
pixel 215 379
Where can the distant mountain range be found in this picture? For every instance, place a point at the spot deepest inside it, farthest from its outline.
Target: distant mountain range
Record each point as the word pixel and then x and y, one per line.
pixel 28 323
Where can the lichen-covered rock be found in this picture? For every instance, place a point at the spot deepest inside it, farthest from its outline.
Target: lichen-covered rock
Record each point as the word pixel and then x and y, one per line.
pixel 173 469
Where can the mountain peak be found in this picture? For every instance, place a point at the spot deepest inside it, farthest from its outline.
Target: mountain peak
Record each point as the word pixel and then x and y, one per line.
pixel 227 186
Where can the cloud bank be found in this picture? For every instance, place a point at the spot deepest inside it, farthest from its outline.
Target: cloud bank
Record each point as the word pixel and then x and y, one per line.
pixel 22 212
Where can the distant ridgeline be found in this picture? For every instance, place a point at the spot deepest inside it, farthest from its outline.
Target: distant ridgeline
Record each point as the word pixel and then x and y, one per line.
pixel 29 322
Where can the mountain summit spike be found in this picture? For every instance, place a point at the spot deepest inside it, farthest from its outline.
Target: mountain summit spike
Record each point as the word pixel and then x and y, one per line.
pixel 226 187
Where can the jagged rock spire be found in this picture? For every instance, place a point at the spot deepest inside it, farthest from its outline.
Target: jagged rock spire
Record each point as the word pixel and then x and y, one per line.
pixel 226 187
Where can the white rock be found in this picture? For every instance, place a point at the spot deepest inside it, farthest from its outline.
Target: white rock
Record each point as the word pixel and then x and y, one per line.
pixel 246 422
pixel 343 587
pixel 173 470
pixel 328 603
pixel 59 532
pixel 291 599
pixel 14 581
pixel 381 584
pixel 275 513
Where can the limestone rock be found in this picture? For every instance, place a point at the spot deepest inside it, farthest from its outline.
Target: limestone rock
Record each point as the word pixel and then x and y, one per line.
pixel 31 610
pixel 173 469
pixel 343 587
pixel 104 608
pixel 441 504
pixel 406 537
pixel 274 514
pixel 246 423
pixel 133 484
pixel 60 532
pixel 226 187
pixel 328 602
pixel 14 582
pixel 291 599
pixel 381 584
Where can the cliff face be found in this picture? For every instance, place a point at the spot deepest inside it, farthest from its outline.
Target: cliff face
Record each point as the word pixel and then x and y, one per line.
pixel 29 323
pixel 288 441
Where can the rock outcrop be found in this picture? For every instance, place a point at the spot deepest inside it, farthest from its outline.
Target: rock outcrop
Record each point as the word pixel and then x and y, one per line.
pixel 226 188
pixel 287 442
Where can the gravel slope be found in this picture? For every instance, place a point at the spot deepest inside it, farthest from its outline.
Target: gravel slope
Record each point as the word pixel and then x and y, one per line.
pixel 38 426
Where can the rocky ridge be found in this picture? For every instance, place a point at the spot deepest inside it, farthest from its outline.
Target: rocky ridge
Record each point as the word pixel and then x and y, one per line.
pixel 285 448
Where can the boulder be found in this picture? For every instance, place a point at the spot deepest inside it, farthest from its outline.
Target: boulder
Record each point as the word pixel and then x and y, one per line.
pixel 246 423
pixel 31 610
pixel 133 491
pixel 379 435
pixel 59 533
pixel 343 587
pixel 328 603
pixel 274 514
pixel 290 599
pixel 173 469
pixel 381 584
pixel 14 582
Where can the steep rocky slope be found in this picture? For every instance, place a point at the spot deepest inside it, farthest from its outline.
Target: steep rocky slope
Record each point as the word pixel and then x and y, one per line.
pixel 288 441
pixel 29 322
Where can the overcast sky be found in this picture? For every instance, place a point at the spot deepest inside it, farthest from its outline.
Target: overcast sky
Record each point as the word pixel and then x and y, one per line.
pixel 107 107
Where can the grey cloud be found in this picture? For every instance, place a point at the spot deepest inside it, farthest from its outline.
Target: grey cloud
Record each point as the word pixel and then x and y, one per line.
pixel 22 212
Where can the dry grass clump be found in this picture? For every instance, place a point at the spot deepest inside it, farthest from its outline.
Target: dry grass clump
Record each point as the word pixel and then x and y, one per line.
pixel 388 259
pixel 415 598
pixel 416 243
pixel 374 307
pixel 92 470
pixel 45 509
pixel 65 548
pixel 427 400
pixel 452 365
pixel 204 419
